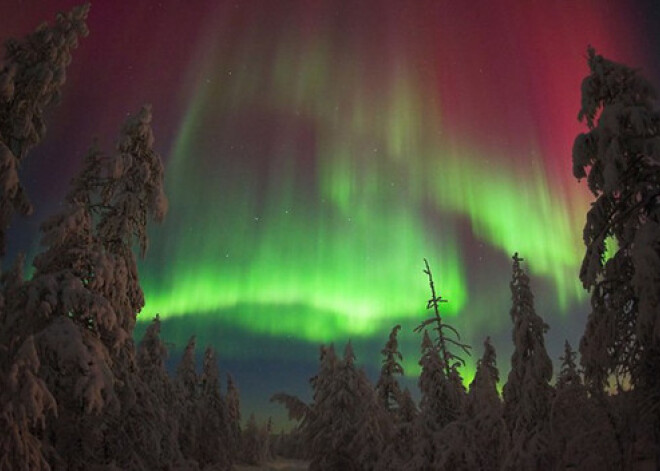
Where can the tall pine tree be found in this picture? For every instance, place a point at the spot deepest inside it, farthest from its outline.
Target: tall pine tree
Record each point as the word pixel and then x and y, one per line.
pixel 527 392
pixel 442 392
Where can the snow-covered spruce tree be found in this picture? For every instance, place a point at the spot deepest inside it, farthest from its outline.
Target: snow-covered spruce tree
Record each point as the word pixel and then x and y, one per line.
pixel 86 287
pixel 434 412
pixel 132 194
pixel 187 386
pixel 621 153
pixel 315 420
pixel 75 330
pixel 373 423
pixel 582 434
pixel 442 438
pixel 213 430
pixel 487 429
pixel 12 283
pixel 620 156
pixel 256 442
pixel 443 395
pixel 330 425
pixel 400 446
pixel 569 376
pixel 187 380
pixel 345 428
pixel 82 302
pixel 267 448
pixel 32 73
pixel 26 403
pixel 151 355
pixel 483 395
pixel 251 442
pixel 400 406
pixel 233 402
pixel 387 387
pixel 128 194
pixel 527 392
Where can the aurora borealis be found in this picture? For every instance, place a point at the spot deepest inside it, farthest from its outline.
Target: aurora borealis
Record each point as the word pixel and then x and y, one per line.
pixel 317 151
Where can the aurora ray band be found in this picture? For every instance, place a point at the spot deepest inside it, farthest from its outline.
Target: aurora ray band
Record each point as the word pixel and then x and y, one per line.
pixel 326 150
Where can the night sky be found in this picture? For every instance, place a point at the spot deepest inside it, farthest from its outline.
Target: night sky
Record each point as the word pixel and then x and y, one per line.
pixel 316 151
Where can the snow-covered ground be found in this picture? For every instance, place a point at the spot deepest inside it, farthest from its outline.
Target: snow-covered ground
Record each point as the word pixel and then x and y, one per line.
pixel 277 465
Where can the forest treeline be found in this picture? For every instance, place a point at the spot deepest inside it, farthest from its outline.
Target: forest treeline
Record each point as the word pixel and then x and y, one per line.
pixel 77 393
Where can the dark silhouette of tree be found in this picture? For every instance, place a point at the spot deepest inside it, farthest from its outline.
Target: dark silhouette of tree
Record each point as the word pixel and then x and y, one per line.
pixel 620 156
pixel 450 360
pixel 569 375
pixel 295 443
pixel 527 392
pixel 296 408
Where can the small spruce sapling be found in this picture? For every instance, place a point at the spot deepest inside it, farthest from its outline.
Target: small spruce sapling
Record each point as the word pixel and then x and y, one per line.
pixel 387 387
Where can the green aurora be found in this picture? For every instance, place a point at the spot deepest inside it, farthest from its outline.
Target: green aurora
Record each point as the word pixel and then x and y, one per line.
pixel 304 208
